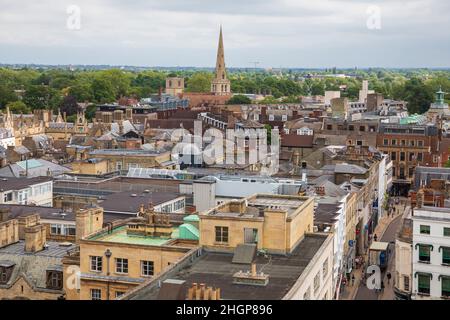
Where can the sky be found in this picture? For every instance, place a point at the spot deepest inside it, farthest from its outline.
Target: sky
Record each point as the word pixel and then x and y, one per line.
pixel 274 33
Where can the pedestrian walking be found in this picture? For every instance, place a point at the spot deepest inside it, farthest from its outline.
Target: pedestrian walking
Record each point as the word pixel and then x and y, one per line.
pixel 382 286
pixel 375 237
pixel 353 279
pixel 388 276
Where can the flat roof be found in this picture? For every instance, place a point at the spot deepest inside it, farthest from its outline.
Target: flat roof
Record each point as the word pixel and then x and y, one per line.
pixel 12 183
pixel 217 270
pixel 119 235
pixel 130 202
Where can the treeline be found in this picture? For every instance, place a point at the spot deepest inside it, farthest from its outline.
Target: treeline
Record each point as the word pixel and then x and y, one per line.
pixel 28 89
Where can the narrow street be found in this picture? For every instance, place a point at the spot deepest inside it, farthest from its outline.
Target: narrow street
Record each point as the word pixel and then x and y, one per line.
pixel 388 236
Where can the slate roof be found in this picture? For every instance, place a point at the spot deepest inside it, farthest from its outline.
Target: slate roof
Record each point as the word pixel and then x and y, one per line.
pixel 33 266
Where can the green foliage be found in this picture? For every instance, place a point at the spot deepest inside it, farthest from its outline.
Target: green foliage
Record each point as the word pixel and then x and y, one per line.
pixel 269 100
pixel 239 99
pixel 103 91
pixel 46 88
pixel 418 96
pixel 18 107
pixel 199 82
pixel 447 164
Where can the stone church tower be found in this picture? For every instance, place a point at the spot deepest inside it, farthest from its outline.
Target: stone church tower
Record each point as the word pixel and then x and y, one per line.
pixel 220 85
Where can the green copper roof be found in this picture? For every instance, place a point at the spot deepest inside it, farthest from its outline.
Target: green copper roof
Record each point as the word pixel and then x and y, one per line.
pixel 189 232
pixel 191 218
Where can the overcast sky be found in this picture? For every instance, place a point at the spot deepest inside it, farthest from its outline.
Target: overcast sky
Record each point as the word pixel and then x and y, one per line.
pixel 277 33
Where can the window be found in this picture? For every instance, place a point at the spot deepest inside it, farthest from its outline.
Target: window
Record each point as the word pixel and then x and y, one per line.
pixel 420 143
pixel 410 172
pixel 121 265
pixel 411 156
pixel 402 156
pixel 54 280
pixel 351 128
pixel 119 165
pixel 445 255
pixel 424 253
pixel 419 156
pixel 147 268
pixel 325 268
pixel 96 294
pixel 393 156
pixel 62 230
pixel 403 143
pixel 96 263
pixel 221 234
pixel 446 232
pixel 406 283
pixel 119 294
pixel 316 282
pixel 411 143
pixel 385 142
pixel 7 197
pixel 445 286
pixel 5 273
pixel 424 284
pixel 394 142
pixel 424 229
pixel 329 127
pixel 359 143
pixel 362 128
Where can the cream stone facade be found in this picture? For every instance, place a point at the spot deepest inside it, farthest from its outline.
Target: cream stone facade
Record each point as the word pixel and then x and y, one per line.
pixel 278 227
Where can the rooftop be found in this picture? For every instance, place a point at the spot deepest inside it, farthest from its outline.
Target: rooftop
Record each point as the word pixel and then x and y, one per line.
pixel 54 249
pixel 217 270
pixel 125 152
pixel 13 183
pixel 130 202
pixel 119 235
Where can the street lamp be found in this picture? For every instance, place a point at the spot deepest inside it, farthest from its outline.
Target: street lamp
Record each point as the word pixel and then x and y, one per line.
pixel 108 255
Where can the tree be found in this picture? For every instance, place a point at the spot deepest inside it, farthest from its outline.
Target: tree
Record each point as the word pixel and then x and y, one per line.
pixel 418 96
pixel 69 105
pixel 103 92
pixel 269 100
pixel 199 82
pixel 18 107
pixel 90 111
pixel 81 92
pixel 447 164
pixel 42 97
pixel 6 95
pixel 239 99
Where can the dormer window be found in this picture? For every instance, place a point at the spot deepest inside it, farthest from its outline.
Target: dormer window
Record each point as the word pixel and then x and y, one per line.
pixel 54 279
pixel 6 269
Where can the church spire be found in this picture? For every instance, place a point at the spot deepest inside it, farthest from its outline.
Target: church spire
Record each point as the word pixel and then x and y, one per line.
pixel 220 61
pixel 220 84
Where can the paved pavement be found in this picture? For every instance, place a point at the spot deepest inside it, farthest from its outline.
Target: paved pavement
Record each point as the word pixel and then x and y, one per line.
pixel 386 230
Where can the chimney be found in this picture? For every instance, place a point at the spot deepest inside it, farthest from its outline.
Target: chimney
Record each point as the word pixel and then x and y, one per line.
pixel 201 292
pixel 35 238
pixel 253 269
pixel 9 232
pixel 27 221
pixel 420 198
pixel 88 221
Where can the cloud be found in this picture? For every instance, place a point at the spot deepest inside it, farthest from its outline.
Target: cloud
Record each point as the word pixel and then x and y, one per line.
pixel 300 33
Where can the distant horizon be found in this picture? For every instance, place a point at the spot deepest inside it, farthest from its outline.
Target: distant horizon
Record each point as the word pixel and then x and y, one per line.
pixel 118 66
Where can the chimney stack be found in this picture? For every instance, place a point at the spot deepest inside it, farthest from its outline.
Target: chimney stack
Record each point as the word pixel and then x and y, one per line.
pixel 420 198
pixel 35 238
pixel 201 292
